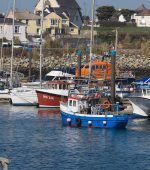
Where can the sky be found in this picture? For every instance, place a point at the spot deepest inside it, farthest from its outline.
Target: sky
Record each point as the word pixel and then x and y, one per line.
pixel 85 5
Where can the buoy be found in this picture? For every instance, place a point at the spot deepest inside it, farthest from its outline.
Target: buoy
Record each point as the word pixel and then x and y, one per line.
pixel 90 123
pixel 104 123
pixel 69 121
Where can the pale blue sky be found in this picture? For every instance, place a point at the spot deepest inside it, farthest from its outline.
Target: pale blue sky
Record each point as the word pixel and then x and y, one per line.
pixel 85 4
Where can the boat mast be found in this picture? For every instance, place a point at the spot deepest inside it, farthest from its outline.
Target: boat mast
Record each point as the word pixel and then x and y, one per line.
pixel 12 46
pixel 116 40
pixel 113 70
pixel 41 42
pixel 91 41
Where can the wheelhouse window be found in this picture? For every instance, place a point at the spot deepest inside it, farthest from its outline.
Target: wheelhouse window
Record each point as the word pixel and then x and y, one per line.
pixel 70 102
pixel 74 103
pixel 55 86
pixel 17 29
pixel 93 67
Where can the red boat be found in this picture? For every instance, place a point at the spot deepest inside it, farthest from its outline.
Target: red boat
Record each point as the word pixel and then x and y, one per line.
pixel 56 91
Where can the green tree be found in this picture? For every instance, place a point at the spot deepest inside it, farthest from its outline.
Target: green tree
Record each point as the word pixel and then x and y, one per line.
pixel 104 13
pixel 86 20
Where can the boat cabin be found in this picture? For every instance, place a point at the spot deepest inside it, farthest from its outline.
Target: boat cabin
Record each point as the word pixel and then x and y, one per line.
pixel 60 85
pixel 100 70
pixel 81 103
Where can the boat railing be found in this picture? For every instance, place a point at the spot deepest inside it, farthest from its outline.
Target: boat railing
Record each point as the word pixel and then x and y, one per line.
pixel 103 108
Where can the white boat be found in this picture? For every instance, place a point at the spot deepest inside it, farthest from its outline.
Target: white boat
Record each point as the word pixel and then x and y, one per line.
pixel 23 96
pixel 140 99
pixel 4 92
pixel 141 103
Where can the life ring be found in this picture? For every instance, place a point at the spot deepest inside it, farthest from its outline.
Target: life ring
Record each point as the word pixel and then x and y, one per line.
pixel 106 104
pixel 78 122
pixel 97 95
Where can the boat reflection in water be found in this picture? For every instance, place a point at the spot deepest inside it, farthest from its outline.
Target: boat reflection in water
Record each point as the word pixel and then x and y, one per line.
pixel 48 111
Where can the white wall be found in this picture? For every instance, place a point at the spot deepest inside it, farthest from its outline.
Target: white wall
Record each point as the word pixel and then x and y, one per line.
pixel 142 21
pixel 8 33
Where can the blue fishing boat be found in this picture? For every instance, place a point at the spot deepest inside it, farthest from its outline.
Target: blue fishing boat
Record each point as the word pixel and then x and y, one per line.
pixel 83 111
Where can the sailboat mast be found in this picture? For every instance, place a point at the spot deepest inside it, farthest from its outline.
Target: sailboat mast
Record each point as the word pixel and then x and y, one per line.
pixel 12 46
pixel 116 40
pixel 91 40
pixel 41 43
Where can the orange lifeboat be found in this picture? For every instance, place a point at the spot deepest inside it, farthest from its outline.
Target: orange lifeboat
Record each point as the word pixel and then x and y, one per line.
pixel 100 70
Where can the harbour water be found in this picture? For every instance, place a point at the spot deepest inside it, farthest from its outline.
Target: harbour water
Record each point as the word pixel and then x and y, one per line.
pixel 34 139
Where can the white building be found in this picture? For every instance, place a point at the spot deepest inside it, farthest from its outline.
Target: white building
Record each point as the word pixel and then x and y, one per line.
pixel 121 18
pixel 142 17
pixel 6 29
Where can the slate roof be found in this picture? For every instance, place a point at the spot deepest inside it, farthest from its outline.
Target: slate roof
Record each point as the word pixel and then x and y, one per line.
pixel 68 4
pixel 9 21
pixel 71 6
pixel 26 15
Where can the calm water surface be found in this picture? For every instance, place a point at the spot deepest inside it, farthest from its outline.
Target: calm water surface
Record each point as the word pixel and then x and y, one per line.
pixel 34 139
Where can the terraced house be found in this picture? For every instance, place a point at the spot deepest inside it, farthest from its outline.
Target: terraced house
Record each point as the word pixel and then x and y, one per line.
pixel 6 29
pixel 60 16
pixel 31 20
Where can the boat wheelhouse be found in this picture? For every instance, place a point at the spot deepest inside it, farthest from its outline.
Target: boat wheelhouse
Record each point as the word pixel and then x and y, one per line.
pixel 55 92
pixel 100 70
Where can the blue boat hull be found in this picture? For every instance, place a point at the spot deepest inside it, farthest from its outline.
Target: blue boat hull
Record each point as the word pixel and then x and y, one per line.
pixel 116 121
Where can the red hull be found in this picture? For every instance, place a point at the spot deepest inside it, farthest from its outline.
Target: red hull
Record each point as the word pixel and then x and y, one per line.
pixel 49 100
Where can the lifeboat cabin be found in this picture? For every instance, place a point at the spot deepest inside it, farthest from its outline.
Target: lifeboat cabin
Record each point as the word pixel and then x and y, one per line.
pixel 100 70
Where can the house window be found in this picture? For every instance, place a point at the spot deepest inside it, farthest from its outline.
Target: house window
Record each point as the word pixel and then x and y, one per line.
pixel 63 21
pixel 38 22
pixel 54 22
pixel 38 31
pixel 71 29
pixel 27 21
pixel 1 29
pixel 17 29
